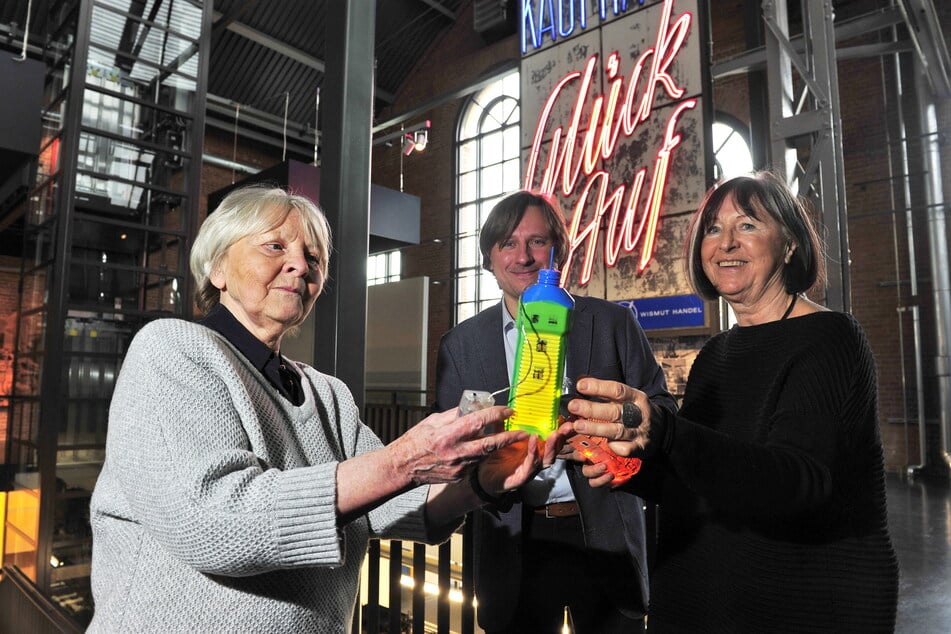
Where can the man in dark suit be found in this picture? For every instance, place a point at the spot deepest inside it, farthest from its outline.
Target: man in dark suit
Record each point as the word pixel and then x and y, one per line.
pixel 557 541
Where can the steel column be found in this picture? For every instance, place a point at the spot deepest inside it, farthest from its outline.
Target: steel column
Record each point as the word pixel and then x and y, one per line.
pixel 811 117
pixel 938 247
pixel 347 103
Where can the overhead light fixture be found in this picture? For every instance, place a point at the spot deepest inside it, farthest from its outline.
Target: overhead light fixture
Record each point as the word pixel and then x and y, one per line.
pixel 415 141
pixel 421 139
pixel 414 137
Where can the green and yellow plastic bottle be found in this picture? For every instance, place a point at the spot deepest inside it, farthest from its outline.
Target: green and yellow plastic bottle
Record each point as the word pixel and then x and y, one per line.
pixel 543 322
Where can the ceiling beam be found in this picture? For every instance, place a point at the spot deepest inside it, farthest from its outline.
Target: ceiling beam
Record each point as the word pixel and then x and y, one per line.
pixel 433 4
pixel 925 31
pixel 755 59
pixel 224 20
pixel 274 44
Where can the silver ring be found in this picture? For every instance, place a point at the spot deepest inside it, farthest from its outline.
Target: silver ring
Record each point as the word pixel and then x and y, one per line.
pixel 630 415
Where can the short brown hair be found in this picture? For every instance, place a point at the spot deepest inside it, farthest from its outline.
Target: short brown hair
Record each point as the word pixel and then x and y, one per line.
pixel 760 192
pixel 508 212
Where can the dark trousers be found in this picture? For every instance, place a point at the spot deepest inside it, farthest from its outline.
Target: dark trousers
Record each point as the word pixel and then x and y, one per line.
pixel 557 573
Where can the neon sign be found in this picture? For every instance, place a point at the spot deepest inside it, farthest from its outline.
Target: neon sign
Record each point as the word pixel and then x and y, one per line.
pixel 559 22
pixel 619 111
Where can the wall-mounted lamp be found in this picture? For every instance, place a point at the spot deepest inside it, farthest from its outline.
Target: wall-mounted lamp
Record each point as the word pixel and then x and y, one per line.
pixel 412 138
pixel 416 140
pixel 421 139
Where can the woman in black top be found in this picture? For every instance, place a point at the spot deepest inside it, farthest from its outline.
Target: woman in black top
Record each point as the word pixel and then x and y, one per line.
pixel 770 479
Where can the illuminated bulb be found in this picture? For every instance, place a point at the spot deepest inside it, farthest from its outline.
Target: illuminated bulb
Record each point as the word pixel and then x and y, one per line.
pixel 420 140
pixel 455 595
pixel 566 627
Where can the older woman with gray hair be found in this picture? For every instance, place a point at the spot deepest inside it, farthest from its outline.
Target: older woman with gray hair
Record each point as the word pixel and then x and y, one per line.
pixel 240 488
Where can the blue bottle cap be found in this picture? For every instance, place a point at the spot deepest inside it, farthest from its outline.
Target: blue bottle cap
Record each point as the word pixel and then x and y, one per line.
pixel 549 277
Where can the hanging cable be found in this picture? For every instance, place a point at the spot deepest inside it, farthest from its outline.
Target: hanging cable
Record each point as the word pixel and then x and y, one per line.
pixel 26 32
pixel 287 101
pixel 400 148
pixel 234 147
pixel 316 121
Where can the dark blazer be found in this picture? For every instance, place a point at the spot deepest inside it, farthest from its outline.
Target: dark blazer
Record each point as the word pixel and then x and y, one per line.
pixel 605 342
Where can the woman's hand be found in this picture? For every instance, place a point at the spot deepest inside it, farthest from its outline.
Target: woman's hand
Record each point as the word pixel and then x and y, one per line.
pixel 436 451
pixel 439 448
pixel 622 414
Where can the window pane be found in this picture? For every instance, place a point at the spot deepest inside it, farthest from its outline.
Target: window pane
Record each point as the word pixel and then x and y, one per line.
pixel 487 303
pixel 492 149
pixel 468 187
pixel 500 113
pixel 489 287
pixel 732 154
pixel 510 86
pixel 468 252
pixel 486 207
pixel 511 175
pixel 395 267
pixel 467 221
pixel 510 143
pixel 468 156
pixel 465 311
pixel 373 267
pixel 490 123
pixel 466 286
pixel 492 180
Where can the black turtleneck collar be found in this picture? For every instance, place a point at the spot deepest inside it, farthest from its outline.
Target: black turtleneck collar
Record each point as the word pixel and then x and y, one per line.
pixel 268 362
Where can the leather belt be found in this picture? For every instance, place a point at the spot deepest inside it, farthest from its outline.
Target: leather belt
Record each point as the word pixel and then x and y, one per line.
pixel 559 509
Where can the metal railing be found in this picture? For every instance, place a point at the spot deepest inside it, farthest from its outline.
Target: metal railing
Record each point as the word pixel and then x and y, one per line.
pixel 24 609
pixel 396 612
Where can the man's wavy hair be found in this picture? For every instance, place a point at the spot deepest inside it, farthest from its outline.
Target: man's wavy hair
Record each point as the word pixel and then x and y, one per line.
pixel 508 212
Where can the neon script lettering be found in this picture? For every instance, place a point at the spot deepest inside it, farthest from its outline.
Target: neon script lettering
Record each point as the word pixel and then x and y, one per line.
pixel 573 155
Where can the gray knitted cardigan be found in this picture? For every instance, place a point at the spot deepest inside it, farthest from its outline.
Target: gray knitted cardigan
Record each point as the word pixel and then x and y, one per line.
pixel 215 508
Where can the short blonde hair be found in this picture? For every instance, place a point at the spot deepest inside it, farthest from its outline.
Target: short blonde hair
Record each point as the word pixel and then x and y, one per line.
pixel 243 212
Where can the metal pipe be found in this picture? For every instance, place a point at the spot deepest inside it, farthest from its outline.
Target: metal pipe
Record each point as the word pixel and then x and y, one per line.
pixel 937 241
pixel 920 387
pixel 26 33
pixel 228 164
pixel 912 267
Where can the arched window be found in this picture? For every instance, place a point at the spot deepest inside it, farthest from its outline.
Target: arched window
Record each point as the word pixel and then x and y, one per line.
pixel 488 167
pixel 731 147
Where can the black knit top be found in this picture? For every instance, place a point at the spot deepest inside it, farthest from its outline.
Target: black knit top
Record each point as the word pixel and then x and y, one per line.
pixel 771 487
